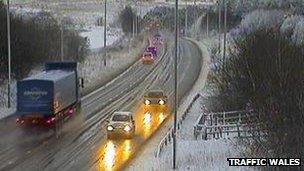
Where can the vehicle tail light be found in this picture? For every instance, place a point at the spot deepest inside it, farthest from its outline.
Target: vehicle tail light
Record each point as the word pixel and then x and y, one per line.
pixel 49 121
pixel 71 111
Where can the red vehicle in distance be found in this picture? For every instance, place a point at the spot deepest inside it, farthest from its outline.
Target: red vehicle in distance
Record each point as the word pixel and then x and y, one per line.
pixel 147 58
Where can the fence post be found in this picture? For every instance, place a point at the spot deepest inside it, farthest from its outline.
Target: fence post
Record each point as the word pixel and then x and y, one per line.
pixel 204 135
pixel 221 131
pixel 195 132
pixel 216 129
pixel 211 119
pixel 258 130
pixel 224 118
pixel 211 129
pixel 227 128
pixel 238 129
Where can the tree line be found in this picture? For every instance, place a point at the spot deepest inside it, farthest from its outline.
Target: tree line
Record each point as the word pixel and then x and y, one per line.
pixel 35 40
pixel 264 73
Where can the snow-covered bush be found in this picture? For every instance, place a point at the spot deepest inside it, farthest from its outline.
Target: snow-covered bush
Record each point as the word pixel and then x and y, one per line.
pixel 289 24
pixel 243 7
pixel 165 15
pixel 259 20
pixel 266 71
pixel 298 35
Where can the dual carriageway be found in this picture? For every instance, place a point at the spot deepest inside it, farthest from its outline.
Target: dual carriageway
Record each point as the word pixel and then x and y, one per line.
pixel 83 144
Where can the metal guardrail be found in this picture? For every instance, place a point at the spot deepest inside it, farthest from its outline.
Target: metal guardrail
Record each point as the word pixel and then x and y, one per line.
pixel 169 135
pixel 217 124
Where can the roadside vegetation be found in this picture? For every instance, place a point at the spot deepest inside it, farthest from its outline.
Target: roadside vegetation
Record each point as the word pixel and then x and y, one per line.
pixel 165 15
pixel 263 72
pixel 35 40
pixel 127 18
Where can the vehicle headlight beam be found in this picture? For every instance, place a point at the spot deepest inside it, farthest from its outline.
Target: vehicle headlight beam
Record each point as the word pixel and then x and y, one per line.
pixel 147 102
pixel 161 102
pixel 110 128
pixel 127 128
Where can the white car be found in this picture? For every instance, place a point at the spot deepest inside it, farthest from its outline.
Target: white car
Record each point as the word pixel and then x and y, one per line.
pixel 121 124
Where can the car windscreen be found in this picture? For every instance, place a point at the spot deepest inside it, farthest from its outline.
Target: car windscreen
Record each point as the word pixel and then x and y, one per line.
pixel 121 118
pixel 147 55
pixel 155 94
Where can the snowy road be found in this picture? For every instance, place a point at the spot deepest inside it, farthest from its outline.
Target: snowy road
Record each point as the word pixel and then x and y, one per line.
pixel 83 144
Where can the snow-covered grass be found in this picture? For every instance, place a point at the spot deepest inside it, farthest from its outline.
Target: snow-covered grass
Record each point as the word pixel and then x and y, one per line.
pixel 95 36
pixel 96 74
pixel 200 155
pixel 4 111
pixel 192 154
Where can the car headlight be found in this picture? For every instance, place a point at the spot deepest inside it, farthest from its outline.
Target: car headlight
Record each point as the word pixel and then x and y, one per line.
pixel 147 102
pixel 110 128
pixel 161 102
pixel 127 128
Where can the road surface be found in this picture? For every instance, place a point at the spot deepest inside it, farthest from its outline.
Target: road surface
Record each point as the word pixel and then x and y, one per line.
pixel 83 145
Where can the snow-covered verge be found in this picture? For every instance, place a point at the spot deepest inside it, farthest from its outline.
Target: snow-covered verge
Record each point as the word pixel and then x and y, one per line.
pixel 96 74
pixel 200 155
pixel 4 111
pixel 192 154
pixel 95 36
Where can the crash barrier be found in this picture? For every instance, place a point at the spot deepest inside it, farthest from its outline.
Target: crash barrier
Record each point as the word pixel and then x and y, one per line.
pixel 169 135
pixel 240 124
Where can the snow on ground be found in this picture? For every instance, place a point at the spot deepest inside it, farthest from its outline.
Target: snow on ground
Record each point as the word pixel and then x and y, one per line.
pixel 4 111
pixel 192 154
pixel 25 11
pixel 199 154
pixel 95 73
pixel 81 12
pixel 95 36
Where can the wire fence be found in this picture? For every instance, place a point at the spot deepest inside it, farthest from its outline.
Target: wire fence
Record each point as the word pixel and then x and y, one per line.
pixel 227 125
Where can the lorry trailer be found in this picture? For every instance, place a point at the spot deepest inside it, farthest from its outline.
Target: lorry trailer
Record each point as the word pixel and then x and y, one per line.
pixel 49 96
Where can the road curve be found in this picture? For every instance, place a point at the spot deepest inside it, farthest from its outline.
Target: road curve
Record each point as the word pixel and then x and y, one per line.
pixel 83 145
